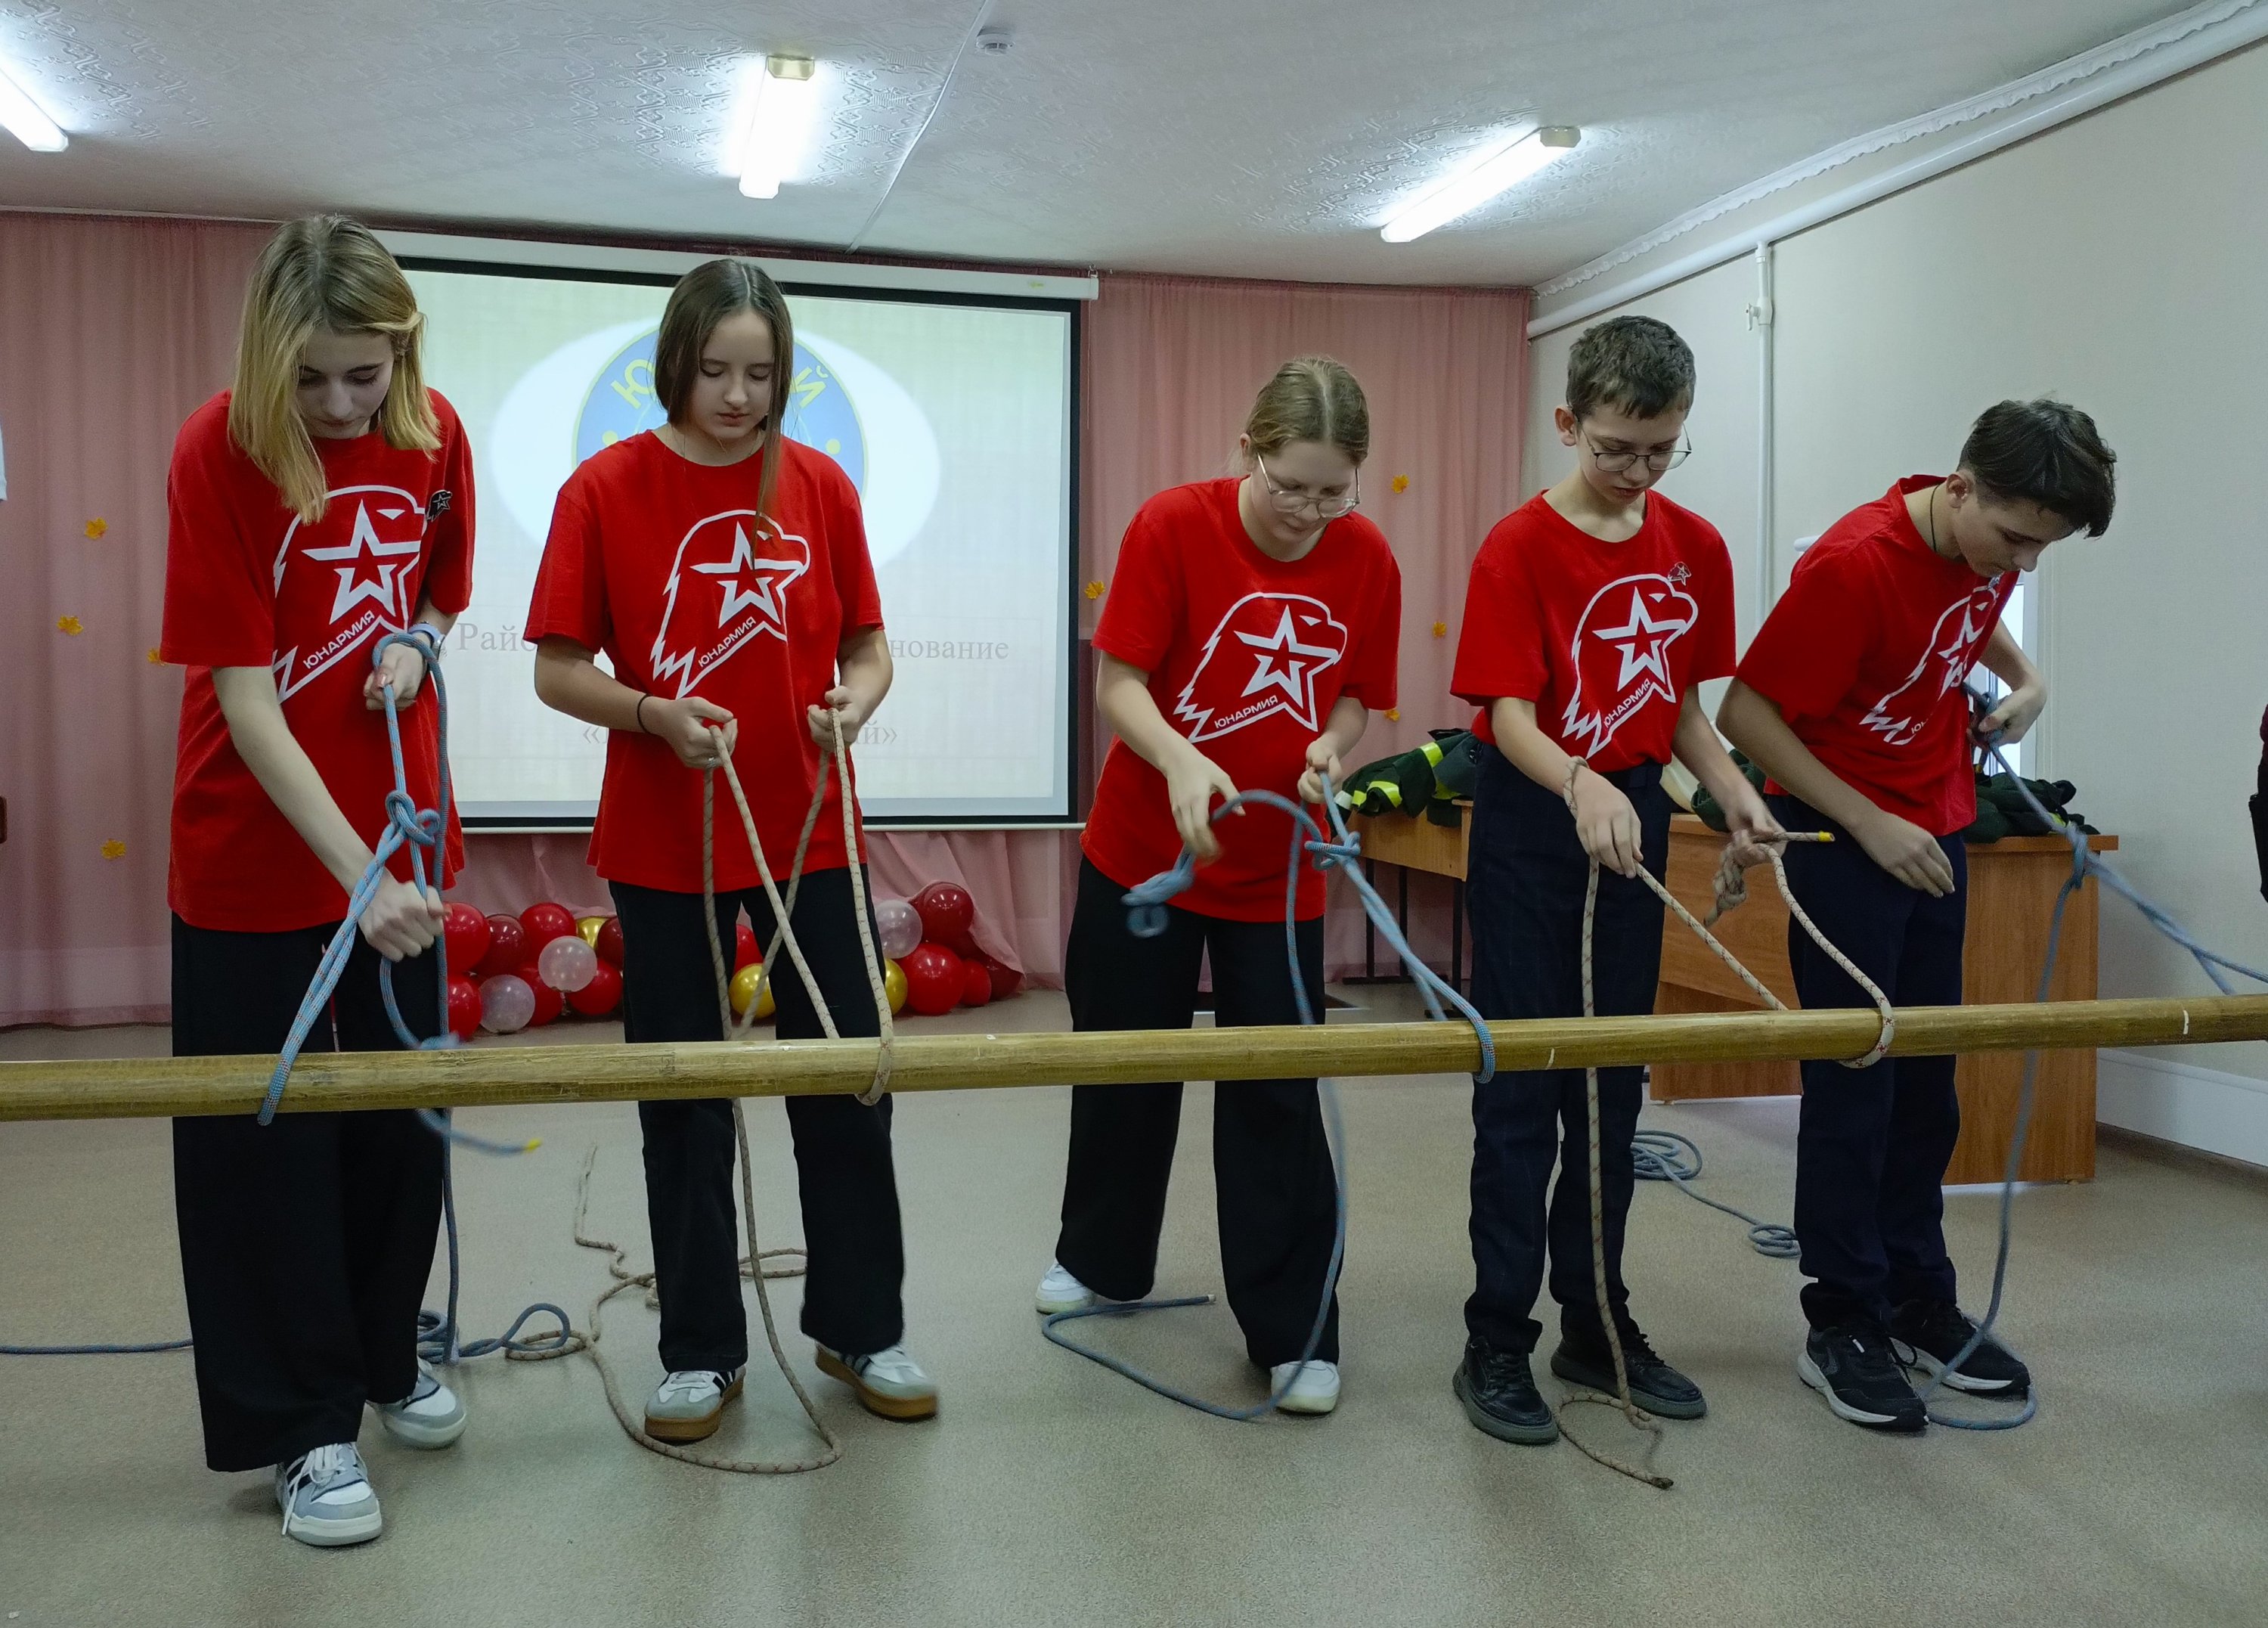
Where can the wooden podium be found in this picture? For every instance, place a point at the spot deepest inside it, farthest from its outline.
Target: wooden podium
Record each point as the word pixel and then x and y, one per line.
pixel 2012 889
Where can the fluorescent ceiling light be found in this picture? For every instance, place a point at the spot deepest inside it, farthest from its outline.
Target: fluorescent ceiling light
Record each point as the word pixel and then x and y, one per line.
pixel 1461 194
pixel 780 119
pixel 24 119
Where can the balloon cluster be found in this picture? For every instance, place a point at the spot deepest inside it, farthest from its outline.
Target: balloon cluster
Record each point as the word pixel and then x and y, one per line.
pixel 934 964
pixel 529 969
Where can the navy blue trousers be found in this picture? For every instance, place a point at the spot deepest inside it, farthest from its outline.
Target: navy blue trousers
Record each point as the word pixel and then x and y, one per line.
pixel 1524 891
pixel 1875 1143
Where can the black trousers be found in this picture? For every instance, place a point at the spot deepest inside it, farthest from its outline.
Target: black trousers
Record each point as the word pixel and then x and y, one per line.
pixel 1524 893
pixel 305 1244
pixel 1276 1197
pixel 844 1171
pixel 1873 1144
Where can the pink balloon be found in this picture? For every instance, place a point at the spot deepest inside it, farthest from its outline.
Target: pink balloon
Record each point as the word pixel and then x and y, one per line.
pixel 567 964
pixel 506 1003
pixel 899 925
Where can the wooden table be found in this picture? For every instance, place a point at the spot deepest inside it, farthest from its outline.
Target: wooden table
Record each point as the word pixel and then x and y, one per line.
pixel 2012 889
pixel 1413 843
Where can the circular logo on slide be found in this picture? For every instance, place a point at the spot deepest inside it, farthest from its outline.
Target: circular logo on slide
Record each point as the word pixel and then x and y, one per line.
pixel 620 402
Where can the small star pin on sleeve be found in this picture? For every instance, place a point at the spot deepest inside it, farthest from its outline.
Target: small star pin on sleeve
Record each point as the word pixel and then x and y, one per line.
pixel 71 625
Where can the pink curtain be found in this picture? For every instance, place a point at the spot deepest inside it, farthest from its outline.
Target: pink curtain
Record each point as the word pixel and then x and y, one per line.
pixel 1171 366
pixel 112 331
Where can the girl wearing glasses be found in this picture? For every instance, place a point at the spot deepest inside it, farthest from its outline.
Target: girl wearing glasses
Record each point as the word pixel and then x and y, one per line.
pixel 1593 612
pixel 1253 623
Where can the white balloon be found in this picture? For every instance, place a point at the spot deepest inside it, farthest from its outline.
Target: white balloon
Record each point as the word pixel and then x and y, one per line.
pixel 506 1003
pixel 567 964
pixel 900 926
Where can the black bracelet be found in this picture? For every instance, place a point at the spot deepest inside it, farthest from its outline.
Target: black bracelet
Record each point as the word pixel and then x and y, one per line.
pixel 640 715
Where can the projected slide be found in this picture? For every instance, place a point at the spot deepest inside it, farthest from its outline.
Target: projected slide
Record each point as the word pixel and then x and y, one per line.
pixel 952 421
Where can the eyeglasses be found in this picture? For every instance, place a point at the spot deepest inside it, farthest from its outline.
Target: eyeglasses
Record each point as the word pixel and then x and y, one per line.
pixel 1615 463
pixel 1290 501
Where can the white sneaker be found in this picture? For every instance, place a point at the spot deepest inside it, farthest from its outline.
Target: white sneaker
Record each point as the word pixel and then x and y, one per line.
pixel 431 1416
pixel 1315 1390
pixel 1059 1291
pixel 326 1498
pixel 889 1382
pixel 689 1406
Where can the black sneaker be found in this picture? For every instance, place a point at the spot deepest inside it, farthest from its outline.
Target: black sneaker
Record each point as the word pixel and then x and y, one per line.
pixel 1499 1395
pixel 1929 1334
pixel 1655 1385
pixel 1851 1364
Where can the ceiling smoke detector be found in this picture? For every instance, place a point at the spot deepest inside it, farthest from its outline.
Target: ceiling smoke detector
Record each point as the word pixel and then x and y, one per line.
pixel 995 40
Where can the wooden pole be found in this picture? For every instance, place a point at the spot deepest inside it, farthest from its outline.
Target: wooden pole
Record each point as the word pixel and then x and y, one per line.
pixel 493 1076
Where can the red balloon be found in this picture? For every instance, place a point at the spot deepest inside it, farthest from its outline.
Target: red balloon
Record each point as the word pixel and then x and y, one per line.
pixel 610 941
pixel 1005 979
pixel 946 911
pixel 975 984
pixel 507 950
pixel 545 923
pixel 601 995
pixel 465 931
pixel 934 979
pixel 549 1002
pixel 744 939
pixel 464 1006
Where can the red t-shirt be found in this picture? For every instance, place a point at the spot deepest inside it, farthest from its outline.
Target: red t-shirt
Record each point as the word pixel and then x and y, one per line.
pixel 661 562
pixel 248 585
pixel 1246 656
pixel 1866 654
pixel 1606 639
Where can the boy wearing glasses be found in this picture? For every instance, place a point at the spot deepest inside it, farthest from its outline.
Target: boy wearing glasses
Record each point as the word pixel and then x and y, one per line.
pixel 1853 699
pixel 1594 611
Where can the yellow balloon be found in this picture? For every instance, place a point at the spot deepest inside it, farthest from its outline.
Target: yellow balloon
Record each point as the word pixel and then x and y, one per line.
pixel 893 982
pixel 745 989
pixel 588 926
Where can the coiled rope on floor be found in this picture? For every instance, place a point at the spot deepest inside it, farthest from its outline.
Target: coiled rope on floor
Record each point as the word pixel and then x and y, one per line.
pixel 1147 918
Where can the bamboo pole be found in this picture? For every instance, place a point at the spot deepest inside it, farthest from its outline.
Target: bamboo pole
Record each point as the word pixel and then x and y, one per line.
pixel 494 1076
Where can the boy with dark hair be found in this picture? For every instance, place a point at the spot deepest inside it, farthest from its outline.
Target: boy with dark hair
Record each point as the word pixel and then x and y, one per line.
pixel 1852 699
pixel 1593 610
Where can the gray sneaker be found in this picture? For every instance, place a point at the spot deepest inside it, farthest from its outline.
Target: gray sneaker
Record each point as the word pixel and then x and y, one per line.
pixel 889 1383
pixel 431 1416
pixel 689 1406
pixel 326 1498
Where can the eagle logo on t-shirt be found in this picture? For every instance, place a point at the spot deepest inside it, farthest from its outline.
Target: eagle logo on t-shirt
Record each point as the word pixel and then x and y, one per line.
pixel 1621 654
pixel 1961 630
pixel 350 573
pixel 727 586
pixel 1261 660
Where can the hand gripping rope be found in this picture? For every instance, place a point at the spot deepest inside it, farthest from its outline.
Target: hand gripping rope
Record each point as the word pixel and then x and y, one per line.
pixel 1146 918
pixel 753 1266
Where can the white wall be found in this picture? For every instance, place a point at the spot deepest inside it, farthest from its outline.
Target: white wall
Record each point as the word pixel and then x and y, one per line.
pixel 2116 262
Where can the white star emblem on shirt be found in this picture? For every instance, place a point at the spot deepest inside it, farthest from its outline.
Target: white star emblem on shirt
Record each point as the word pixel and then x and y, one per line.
pixel 1288 675
pixel 770 576
pixel 364 541
pixel 1643 642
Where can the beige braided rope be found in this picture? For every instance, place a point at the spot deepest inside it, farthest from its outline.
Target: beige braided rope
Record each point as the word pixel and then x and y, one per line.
pixel 1731 891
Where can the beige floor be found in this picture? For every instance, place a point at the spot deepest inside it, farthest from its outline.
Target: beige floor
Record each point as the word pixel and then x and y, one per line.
pixel 1050 1491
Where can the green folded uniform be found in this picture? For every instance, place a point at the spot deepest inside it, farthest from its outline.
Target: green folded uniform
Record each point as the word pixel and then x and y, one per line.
pixel 1430 777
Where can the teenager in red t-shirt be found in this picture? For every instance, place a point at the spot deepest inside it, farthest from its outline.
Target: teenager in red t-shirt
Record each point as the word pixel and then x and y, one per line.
pixel 723 570
pixel 1853 699
pixel 1594 611
pixel 324 502
pixel 1252 625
